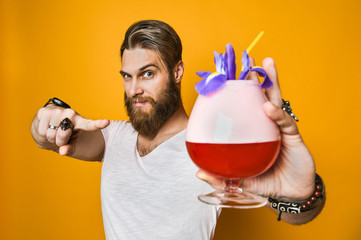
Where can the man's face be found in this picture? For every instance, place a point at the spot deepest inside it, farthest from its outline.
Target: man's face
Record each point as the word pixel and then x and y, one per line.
pixel 151 96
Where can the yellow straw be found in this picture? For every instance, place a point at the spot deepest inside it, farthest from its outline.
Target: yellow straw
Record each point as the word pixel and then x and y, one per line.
pixel 255 41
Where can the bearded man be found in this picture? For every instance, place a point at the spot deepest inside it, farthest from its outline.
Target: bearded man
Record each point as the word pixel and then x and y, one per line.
pixel 148 187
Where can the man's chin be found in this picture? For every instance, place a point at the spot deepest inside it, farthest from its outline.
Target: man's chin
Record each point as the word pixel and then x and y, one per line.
pixel 146 127
pixel 142 111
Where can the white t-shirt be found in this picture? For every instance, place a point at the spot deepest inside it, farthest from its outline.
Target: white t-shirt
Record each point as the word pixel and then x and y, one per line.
pixel 155 196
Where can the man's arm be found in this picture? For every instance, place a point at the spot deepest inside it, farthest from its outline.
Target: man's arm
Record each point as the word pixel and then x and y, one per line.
pixel 83 140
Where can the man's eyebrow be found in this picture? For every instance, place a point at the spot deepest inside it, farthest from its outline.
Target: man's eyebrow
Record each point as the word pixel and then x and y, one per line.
pixel 141 69
pixel 147 66
pixel 122 72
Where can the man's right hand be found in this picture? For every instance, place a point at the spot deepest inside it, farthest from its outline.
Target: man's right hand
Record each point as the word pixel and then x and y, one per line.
pixel 83 141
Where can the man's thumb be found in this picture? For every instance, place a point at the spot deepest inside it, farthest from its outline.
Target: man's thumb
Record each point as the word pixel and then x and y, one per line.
pixel 65 150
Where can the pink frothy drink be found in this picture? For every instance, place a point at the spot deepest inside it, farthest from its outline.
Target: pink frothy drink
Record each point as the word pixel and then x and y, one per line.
pixel 230 136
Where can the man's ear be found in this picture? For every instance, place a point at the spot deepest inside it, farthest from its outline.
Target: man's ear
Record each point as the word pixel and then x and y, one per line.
pixel 178 71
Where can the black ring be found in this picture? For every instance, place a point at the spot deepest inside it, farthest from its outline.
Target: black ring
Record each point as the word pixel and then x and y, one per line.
pixel 57 102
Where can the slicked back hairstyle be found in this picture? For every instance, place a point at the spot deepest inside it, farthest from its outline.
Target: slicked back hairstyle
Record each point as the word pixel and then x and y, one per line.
pixel 157 36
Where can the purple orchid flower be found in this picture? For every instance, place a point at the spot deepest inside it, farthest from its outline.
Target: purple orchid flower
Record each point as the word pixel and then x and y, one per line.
pixel 267 83
pixel 225 70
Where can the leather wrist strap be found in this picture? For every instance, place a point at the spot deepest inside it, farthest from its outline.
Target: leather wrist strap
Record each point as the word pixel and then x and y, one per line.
pixel 297 208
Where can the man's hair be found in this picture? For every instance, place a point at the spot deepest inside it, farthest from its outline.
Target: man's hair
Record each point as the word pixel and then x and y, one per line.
pixel 157 36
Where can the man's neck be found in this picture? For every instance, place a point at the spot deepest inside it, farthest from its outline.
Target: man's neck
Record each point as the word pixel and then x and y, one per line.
pixel 175 124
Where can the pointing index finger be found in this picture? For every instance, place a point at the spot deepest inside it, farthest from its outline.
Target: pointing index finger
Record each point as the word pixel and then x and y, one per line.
pixel 88 124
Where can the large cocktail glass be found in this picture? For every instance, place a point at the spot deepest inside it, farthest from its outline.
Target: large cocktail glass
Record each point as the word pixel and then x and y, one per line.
pixel 230 137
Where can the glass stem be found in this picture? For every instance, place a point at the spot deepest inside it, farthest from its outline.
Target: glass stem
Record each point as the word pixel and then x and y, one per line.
pixel 232 185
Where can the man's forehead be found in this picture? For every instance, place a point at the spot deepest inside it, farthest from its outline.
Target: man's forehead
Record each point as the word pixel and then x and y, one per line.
pixel 136 58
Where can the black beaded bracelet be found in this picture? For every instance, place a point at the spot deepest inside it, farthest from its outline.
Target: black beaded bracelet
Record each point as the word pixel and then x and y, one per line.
pixel 297 208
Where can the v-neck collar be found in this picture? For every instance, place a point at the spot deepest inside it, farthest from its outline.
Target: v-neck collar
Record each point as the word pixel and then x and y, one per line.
pixel 159 146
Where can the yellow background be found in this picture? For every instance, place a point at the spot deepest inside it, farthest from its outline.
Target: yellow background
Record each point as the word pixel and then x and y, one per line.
pixel 70 49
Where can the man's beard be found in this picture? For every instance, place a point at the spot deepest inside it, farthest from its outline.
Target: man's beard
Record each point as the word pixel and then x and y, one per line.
pixel 167 103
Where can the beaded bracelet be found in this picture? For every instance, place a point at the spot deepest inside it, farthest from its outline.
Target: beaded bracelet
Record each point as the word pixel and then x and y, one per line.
pixel 297 208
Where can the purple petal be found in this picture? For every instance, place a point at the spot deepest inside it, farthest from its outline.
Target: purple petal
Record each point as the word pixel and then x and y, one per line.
pixel 230 62
pixel 245 60
pixel 203 74
pixel 213 84
pixel 224 64
pixel 267 83
pixel 243 74
pixel 245 65
pixel 220 63
pixel 217 61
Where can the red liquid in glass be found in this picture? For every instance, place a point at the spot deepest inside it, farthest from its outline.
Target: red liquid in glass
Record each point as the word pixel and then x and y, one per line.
pixel 234 160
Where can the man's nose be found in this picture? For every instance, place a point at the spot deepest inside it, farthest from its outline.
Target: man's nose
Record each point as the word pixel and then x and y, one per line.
pixel 135 88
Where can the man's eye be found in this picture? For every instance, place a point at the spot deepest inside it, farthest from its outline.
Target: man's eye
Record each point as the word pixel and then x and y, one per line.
pixel 126 76
pixel 148 74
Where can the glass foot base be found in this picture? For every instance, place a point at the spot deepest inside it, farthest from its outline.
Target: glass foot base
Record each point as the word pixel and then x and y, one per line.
pixel 242 200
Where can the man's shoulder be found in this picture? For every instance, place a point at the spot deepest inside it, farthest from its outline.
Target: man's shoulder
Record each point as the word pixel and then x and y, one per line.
pixel 119 125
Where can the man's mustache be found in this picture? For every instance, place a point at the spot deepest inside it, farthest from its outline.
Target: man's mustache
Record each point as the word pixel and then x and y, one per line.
pixel 139 99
